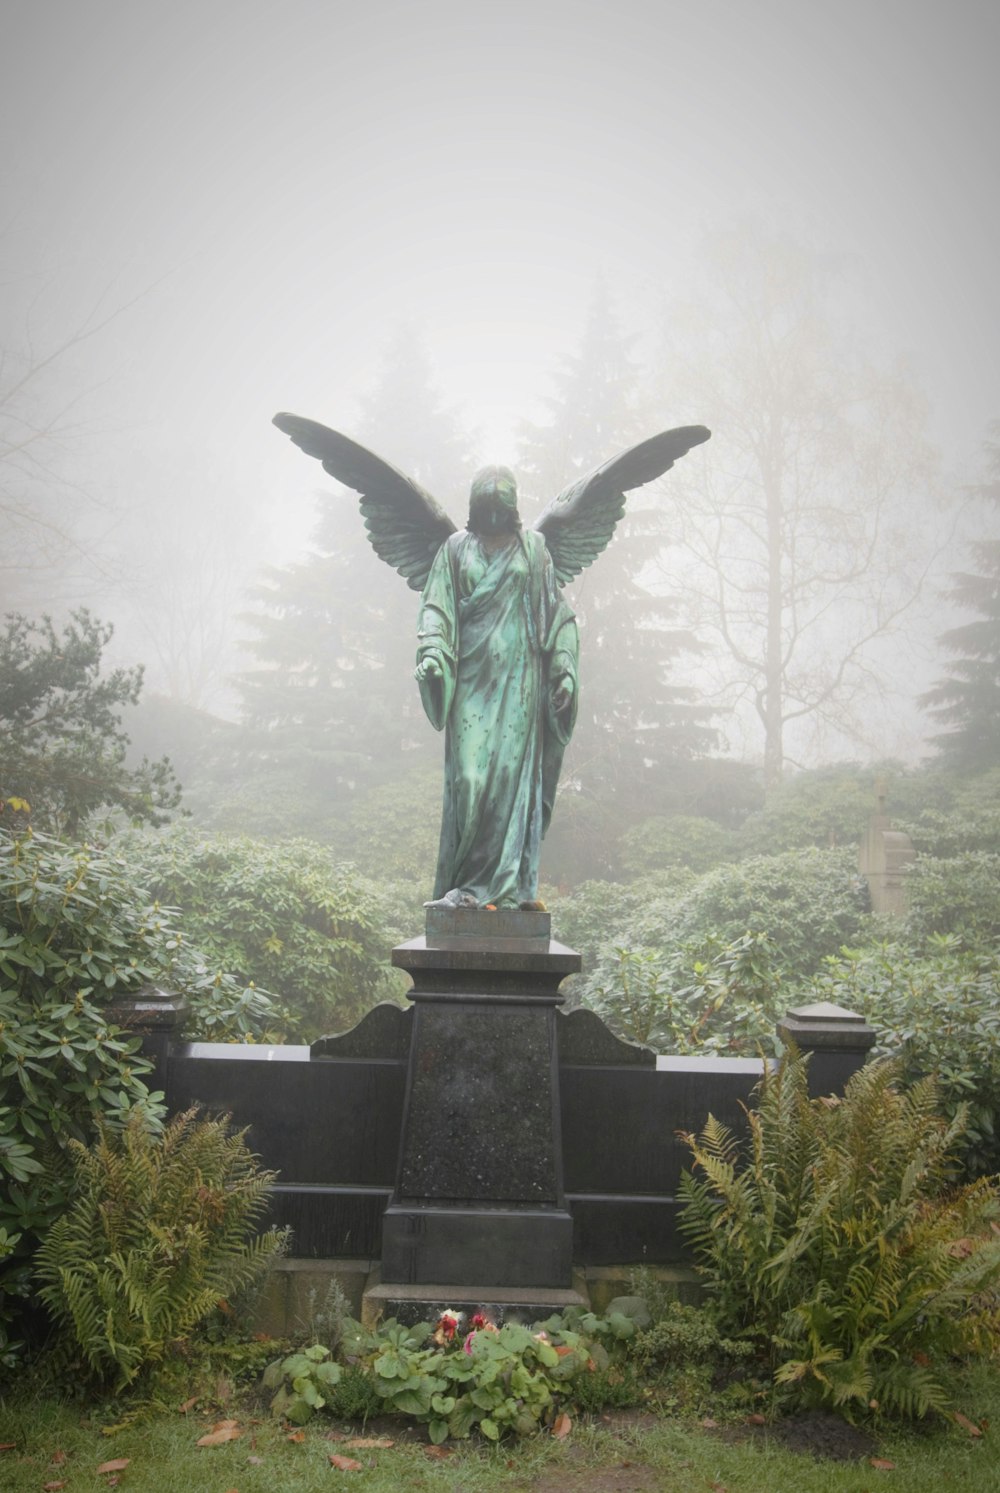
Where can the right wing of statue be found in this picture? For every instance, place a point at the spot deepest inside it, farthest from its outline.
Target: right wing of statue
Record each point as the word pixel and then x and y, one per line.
pixel 578 524
pixel 405 524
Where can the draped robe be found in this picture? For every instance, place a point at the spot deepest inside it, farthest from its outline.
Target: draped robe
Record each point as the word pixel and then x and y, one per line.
pixel 504 640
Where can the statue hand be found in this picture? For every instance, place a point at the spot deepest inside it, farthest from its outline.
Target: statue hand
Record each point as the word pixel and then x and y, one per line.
pixel 562 694
pixel 427 668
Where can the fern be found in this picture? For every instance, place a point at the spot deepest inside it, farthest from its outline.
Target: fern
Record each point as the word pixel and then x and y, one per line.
pixel 161 1231
pixel 832 1233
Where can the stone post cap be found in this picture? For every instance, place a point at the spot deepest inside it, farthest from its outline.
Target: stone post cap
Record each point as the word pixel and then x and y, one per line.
pixel 824 1024
pixel 149 1009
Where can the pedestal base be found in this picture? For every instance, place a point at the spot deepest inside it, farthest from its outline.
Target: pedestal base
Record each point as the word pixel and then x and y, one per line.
pixel 479 1198
pixel 507 1247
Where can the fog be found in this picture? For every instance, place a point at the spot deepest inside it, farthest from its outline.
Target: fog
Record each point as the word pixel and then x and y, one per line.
pixel 234 205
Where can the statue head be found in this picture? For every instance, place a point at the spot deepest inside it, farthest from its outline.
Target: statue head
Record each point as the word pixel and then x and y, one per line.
pixel 493 502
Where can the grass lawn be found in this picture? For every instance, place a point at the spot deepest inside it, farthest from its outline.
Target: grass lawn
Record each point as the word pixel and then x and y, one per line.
pixel 60 1444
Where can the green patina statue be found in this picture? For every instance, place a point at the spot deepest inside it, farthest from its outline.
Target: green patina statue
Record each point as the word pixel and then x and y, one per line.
pixel 497 643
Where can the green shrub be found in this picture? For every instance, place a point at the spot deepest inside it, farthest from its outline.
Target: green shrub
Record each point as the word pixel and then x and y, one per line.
pixel 685 1335
pixel 939 1014
pixel 659 844
pixel 948 814
pixel 808 904
pixel 960 895
pixel 728 1002
pixel 596 915
pixel 833 1239
pixel 76 934
pixel 283 913
pixel 161 1230
pixel 824 808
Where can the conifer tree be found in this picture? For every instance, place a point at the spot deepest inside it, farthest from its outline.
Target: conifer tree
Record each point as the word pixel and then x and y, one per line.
pixel 634 724
pixel 968 700
pixel 330 710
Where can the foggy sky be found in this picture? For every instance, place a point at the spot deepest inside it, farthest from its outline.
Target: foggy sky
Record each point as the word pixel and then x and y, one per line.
pixel 279 183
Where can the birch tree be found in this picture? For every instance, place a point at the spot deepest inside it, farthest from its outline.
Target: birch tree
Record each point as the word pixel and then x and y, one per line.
pixel 810 524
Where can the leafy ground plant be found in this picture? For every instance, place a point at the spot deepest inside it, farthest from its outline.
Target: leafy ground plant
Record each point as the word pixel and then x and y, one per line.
pixel 487 1378
pixel 837 1241
pixel 162 1229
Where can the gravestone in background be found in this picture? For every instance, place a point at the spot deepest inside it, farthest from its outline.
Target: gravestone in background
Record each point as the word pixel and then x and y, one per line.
pixel 883 859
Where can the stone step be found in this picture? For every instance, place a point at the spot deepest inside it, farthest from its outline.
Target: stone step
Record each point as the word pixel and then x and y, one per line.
pixel 425 1303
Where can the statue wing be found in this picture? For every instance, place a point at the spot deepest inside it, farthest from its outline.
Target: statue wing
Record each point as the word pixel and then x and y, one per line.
pixel 579 523
pixel 405 524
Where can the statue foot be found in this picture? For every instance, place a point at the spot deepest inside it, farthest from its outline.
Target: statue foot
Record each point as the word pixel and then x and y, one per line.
pixel 454 898
pixel 535 906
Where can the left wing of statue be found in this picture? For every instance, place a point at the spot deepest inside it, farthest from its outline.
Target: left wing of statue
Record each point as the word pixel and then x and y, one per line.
pixel 406 526
pixel 579 523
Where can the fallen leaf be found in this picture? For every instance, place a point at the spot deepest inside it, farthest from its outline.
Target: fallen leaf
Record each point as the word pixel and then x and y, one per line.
pixel 296 1436
pixel 561 1426
pixel 966 1423
pixel 708 1424
pixel 217 1438
pixel 921 1360
pixel 8 1446
pixel 440 1452
pixel 113 1480
pixel 719 1488
pixel 118 1464
pixel 377 1443
pixel 345 1464
pixel 961 1249
pixel 756 1419
pixel 54 1487
pixel 883 1463
pixel 188 1405
pixel 255 1461
pixel 334 1436
pixel 57 1458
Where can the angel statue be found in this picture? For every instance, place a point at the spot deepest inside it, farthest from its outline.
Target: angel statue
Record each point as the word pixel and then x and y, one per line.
pixel 497 643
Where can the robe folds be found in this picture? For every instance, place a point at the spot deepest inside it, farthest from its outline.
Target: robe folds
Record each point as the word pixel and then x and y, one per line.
pixel 504 640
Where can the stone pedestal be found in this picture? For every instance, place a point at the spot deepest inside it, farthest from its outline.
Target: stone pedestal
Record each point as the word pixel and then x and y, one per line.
pixel 479 1201
pixel 156 1017
pixel 837 1040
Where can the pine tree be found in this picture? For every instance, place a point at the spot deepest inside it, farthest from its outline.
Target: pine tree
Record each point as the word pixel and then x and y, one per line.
pixel 968 700
pixel 331 709
pixel 634 726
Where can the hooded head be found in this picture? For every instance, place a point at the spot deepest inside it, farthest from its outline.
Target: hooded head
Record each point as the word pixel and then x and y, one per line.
pixel 493 502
